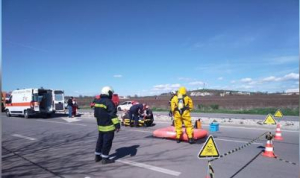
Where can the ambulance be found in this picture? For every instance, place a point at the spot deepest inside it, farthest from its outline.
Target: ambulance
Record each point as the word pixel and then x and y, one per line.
pixel 29 102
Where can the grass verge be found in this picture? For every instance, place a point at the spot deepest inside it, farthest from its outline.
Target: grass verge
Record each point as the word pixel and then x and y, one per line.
pixel 258 111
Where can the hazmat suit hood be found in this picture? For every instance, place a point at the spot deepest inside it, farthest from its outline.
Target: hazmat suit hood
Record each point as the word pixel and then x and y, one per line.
pixel 182 91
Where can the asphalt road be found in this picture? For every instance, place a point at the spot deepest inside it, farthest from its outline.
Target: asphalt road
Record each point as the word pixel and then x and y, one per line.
pixel 53 147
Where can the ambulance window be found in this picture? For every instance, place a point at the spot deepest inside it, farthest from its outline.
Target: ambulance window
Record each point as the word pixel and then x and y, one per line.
pixel 9 100
pixel 58 97
pixel 35 97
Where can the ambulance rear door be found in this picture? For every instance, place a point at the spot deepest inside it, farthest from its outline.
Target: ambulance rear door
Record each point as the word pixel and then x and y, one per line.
pixel 58 99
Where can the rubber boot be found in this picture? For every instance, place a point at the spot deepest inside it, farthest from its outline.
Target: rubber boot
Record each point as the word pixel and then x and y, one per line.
pixel 107 161
pixel 191 140
pixel 98 158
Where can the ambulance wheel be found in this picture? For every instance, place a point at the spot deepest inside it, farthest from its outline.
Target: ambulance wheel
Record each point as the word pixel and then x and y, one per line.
pixel 26 114
pixel 7 113
pixel 119 109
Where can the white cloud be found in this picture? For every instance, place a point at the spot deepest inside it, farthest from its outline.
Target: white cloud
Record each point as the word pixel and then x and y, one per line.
pixel 220 78
pixel 232 81
pixel 118 76
pixel 294 90
pixel 291 76
pixel 270 79
pixel 196 83
pixel 246 80
pixel 166 87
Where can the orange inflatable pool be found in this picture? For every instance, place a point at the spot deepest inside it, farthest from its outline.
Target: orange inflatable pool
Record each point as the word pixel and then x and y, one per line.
pixel 169 132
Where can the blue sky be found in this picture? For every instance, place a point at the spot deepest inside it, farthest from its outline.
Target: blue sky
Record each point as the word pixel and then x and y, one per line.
pixel 149 47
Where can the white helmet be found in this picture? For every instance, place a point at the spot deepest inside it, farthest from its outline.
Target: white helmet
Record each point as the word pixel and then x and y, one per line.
pixel 107 90
pixel 173 92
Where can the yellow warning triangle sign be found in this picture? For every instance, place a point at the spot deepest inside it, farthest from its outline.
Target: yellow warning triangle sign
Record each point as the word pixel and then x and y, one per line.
pixel 209 149
pixel 278 113
pixel 269 120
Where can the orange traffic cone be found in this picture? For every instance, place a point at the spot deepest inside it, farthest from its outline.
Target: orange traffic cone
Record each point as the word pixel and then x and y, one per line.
pixel 278 135
pixel 269 151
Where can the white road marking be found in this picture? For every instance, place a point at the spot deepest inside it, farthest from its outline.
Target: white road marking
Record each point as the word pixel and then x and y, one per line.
pixel 21 136
pixel 61 122
pixel 150 167
pixel 74 119
pixel 235 141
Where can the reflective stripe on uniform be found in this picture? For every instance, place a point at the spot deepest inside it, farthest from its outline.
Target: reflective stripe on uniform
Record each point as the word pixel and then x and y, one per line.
pixel 106 128
pixel 115 120
pixel 104 156
pixel 100 106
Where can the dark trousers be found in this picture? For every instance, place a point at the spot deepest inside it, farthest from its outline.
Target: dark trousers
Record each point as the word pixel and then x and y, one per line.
pixel 136 120
pixel 104 142
pixel 135 117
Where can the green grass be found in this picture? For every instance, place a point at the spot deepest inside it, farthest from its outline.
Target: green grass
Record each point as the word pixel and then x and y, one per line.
pixel 259 111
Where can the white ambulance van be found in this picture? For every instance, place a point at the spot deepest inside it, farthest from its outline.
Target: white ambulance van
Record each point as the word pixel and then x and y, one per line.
pixel 28 102
pixel 58 100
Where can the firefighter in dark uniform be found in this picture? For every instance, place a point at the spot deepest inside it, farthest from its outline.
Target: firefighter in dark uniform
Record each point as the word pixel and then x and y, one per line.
pixel 108 122
pixel 148 115
pixel 135 111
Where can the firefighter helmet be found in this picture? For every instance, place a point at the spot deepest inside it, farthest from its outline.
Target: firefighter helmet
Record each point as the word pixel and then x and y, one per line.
pixel 107 90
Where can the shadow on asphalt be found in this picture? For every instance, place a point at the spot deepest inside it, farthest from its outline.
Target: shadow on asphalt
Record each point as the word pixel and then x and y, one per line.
pixel 201 141
pixel 125 151
pixel 247 164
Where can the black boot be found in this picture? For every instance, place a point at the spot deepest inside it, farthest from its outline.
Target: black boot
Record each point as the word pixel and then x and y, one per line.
pixel 98 158
pixel 107 161
pixel 191 140
pixel 178 141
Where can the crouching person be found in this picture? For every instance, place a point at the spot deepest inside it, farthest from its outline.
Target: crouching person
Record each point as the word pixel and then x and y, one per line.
pixel 108 122
pixel 148 117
